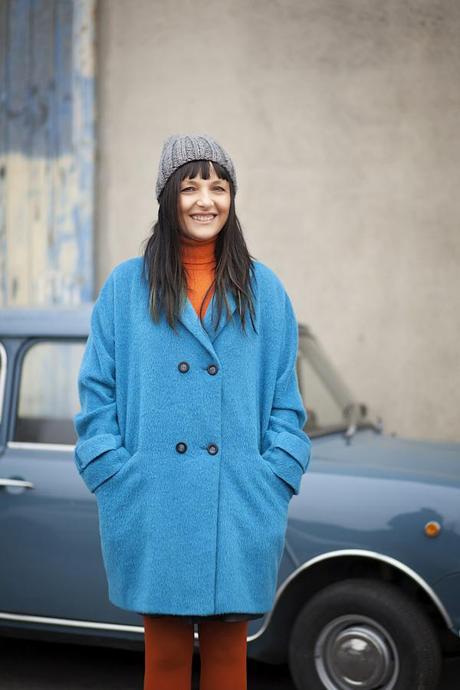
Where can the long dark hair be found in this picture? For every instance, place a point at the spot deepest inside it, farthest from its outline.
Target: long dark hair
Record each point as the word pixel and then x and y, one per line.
pixel 163 267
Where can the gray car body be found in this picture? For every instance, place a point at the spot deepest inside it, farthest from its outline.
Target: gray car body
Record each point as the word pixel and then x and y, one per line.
pixel 362 509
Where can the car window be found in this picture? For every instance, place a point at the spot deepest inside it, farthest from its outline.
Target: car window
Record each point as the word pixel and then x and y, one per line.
pixel 322 407
pixel 2 377
pixel 48 393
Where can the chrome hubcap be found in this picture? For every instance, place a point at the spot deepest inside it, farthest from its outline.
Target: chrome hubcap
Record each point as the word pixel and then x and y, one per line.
pixel 356 653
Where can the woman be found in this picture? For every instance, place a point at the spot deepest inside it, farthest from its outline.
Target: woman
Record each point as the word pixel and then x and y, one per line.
pixel 190 433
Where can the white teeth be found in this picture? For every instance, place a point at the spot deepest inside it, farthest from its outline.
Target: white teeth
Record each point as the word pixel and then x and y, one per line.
pixel 203 218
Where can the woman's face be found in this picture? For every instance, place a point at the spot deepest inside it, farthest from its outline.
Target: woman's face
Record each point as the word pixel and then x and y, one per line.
pixel 203 206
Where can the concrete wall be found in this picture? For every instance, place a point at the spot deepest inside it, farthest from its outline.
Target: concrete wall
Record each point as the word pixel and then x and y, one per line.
pixel 342 119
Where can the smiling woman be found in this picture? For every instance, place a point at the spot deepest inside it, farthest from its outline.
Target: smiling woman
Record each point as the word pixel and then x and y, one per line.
pixel 192 454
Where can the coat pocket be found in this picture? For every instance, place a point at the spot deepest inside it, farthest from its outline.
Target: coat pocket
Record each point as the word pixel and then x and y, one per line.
pixel 111 479
pixel 283 488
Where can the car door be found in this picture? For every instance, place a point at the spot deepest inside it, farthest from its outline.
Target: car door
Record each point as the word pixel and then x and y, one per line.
pixel 51 564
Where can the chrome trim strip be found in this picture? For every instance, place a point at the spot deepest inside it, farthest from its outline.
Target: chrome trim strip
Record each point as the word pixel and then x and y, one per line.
pixel 3 365
pixel 40 446
pixel 67 622
pixel 332 554
pixel 367 554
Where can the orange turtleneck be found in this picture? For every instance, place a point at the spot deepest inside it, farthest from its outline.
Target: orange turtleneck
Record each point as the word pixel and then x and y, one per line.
pixel 200 265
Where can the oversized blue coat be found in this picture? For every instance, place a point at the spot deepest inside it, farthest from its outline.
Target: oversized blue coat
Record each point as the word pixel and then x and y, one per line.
pixel 193 445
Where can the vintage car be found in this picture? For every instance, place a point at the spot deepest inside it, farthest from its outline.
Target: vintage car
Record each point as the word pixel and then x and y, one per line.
pixel 369 583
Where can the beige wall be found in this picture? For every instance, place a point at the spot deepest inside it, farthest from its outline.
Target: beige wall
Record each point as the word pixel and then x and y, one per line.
pixel 342 119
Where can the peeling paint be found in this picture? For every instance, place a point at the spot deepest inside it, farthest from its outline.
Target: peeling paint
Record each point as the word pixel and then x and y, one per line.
pixel 47 150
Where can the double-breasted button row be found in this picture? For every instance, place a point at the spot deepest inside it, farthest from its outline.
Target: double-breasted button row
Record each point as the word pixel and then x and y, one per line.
pixel 212 369
pixel 212 448
pixel 185 366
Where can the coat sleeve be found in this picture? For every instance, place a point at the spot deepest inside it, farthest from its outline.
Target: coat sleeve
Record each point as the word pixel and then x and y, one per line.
pixel 287 446
pixel 99 451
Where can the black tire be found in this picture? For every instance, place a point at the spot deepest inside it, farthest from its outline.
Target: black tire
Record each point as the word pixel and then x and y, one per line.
pixel 391 644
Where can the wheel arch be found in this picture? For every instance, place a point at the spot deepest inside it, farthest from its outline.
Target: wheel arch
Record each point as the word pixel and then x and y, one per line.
pixel 333 566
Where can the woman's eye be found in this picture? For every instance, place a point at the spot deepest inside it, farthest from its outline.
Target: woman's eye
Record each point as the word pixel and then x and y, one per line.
pixel 185 189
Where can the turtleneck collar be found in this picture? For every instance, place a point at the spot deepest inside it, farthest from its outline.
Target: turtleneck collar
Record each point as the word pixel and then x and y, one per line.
pixel 198 253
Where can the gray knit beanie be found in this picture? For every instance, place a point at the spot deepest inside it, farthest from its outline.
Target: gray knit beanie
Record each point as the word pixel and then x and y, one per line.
pixel 182 148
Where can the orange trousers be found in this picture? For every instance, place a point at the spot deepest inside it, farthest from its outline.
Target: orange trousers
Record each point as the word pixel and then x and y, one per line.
pixel 169 653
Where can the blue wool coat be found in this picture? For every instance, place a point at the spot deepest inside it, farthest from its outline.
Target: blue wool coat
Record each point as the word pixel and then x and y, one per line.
pixel 193 445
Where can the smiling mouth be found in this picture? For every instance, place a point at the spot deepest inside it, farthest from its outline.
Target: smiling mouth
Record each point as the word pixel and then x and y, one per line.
pixel 203 218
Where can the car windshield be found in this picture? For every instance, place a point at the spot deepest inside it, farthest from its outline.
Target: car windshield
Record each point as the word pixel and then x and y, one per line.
pixel 330 405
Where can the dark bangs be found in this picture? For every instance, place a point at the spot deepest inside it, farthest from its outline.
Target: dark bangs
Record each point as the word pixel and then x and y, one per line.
pixel 202 168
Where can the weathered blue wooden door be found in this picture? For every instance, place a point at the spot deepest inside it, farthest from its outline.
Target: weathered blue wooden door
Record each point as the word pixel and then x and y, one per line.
pixel 46 151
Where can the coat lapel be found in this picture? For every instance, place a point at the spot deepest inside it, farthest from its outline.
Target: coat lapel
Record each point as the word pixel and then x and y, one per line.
pixel 206 336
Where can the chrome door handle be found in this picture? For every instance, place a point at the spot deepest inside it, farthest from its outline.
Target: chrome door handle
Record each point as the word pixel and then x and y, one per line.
pixel 16 482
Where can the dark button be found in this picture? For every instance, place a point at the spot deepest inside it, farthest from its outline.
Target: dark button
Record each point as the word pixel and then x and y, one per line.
pixel 212 449
pixel 183 367
pixel 212 369
pixel 181 447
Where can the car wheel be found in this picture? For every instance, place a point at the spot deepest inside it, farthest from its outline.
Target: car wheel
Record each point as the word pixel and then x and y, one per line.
pixel 363 635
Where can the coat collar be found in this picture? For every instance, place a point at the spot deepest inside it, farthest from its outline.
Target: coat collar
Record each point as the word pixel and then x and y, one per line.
pixel 207 336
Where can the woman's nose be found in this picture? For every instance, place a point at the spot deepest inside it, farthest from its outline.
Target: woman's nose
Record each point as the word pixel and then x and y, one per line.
pixel 204 200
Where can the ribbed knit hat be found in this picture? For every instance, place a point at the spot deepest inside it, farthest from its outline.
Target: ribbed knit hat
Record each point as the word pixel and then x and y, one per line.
pixel 182 148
